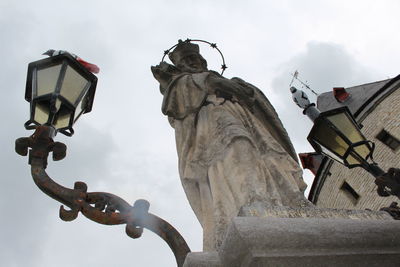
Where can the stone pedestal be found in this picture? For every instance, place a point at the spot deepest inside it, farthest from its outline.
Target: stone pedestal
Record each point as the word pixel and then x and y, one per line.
pixel 365 239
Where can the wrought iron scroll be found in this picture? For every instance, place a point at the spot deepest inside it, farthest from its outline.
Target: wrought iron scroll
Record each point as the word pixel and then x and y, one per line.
pixel 104 208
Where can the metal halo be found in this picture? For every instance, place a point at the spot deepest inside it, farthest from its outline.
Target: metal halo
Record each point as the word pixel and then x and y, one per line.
pixel 213 45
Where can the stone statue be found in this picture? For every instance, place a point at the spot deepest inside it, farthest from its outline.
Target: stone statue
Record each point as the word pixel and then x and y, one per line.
pixel 233 150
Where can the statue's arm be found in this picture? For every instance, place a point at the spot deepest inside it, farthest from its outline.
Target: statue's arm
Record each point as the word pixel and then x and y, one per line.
pixel 222 85
pixel 231 89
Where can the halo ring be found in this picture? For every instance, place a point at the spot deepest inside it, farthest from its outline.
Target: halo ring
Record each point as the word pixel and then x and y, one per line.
pixel 213 45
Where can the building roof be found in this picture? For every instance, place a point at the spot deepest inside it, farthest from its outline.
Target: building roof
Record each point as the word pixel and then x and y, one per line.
pixel 359 95
pixel 362 98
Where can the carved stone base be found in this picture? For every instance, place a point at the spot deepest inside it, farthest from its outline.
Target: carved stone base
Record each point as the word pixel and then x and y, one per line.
pixel 290 241
pixel 203 259
pixel 264 211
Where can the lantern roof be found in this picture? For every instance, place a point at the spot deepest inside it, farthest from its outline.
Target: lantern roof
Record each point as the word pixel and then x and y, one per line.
pixel 54 60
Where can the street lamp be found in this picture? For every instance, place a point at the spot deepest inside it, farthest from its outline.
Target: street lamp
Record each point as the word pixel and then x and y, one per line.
pixel 60 89
pixel 337 135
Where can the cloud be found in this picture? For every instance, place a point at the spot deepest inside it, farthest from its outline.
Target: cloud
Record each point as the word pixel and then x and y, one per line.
pixel 323 66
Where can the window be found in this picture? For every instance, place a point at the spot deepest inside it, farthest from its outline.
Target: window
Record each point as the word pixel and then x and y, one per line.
pixel 388 139
pixel 350 192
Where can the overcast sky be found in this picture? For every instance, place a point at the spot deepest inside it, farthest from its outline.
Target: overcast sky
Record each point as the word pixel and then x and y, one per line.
pixel 125 146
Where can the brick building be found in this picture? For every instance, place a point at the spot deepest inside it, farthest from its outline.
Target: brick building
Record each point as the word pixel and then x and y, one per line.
pixel 376 106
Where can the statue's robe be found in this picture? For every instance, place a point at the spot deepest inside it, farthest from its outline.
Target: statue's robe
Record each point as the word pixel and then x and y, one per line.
pixel 231 154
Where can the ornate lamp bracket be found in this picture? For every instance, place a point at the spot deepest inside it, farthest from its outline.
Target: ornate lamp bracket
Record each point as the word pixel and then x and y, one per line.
pixel 101 207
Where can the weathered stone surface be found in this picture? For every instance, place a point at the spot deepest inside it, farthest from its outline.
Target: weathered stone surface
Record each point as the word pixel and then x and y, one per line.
pixel 232 147
pixel 202 259
pixel 284 236
pixel 265 211
pixel 253 241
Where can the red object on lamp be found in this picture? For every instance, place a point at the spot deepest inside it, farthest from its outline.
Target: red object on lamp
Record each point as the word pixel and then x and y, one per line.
pixel 89 66
pixel 340 94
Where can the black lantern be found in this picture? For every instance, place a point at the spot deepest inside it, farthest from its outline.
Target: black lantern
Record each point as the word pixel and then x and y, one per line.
pixel 59 90
pixel 336 134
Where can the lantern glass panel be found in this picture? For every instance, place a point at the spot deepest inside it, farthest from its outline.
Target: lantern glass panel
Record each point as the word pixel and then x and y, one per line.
pixel 41 113
pixel 63 116
pixel 330 153
pixel 47 79
pixel 80 108
pixel 346 125
pixel 363 151
pixel 73 85
pixel 62 121
pixel 328 138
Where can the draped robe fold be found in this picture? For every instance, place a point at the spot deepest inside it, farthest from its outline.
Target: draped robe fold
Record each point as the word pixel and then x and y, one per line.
pixel 230 154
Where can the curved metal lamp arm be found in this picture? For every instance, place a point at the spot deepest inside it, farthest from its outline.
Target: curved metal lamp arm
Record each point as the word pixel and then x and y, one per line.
pixel 104 208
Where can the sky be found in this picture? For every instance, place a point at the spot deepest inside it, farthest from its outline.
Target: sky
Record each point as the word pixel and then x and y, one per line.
pixel 125 146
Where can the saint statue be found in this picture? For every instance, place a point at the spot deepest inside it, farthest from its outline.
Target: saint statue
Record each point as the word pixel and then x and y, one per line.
pixel 233 150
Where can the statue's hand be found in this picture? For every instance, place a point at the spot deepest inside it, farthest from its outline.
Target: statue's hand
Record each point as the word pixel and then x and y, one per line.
pixel 163 73
pixel 230 87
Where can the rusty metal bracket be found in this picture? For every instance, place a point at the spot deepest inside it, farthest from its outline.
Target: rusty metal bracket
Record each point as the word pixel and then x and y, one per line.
pixel 101 207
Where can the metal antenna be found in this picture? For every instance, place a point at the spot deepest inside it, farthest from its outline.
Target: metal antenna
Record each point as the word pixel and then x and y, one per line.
pixel 295 76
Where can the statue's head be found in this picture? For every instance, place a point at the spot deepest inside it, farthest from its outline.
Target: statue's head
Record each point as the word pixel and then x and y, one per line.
pixel 186 57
